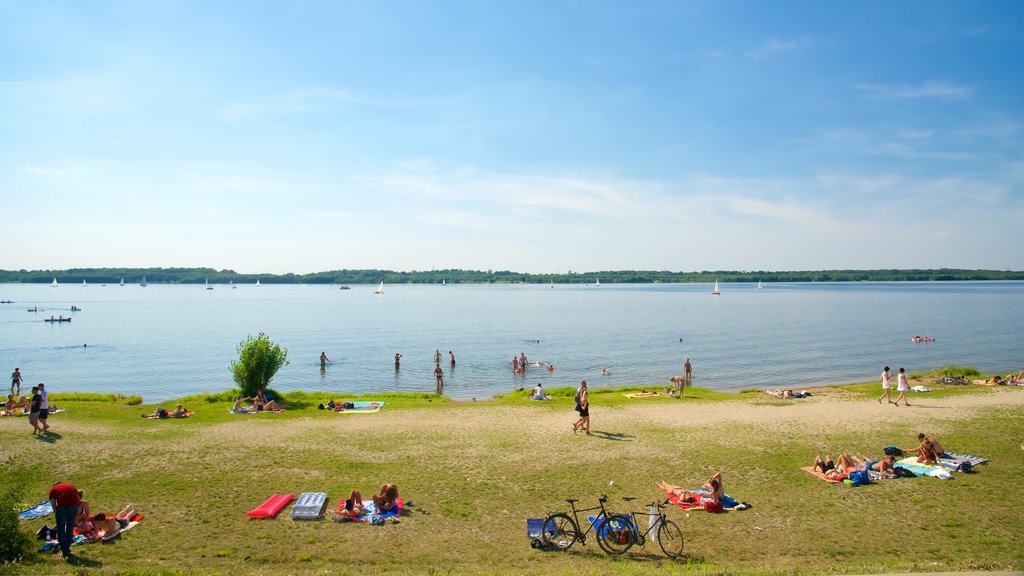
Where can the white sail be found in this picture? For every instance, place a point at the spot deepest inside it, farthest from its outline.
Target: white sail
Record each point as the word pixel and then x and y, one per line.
pixel 143 283
pixel 257 282
pixel 208 287
pixel 122 282
pixel 54 283
pixel 760 286
pixel 380 289
pixel 84 285
pixel 716 291
pixel 597 282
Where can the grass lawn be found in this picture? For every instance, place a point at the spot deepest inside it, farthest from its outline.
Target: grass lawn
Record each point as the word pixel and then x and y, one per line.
pixel 475 471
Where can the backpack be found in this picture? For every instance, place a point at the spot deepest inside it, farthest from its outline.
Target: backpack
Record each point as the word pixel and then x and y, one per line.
pixel 859 477
pixel 892 451
pixel 902 472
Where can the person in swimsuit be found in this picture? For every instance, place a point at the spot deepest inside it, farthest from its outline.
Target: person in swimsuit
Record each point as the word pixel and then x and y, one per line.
pixel 106 528
pixel 385 499
pixel 715 491
pixel 353 505
pixel 834 471
pixel 928 450
pixel 438 379
pixel 398 360
pixel 583 408
pixel 451 358
pixel 16 382
pixel 324 360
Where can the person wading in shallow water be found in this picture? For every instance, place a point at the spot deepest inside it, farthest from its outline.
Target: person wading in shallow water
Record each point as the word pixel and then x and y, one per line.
pixel 439 379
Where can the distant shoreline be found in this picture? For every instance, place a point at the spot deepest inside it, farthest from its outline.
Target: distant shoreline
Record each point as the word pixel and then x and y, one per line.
pixel 457 276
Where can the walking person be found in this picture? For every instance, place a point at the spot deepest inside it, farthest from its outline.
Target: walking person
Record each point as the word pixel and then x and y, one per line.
pixel 451 357
pixel 16 382
pixel 439 379
pixel 583 408
pixel 64 500
pixel 33 413
pixel 437 357
pixel 902 387
pixel 44 407
pixel 885 386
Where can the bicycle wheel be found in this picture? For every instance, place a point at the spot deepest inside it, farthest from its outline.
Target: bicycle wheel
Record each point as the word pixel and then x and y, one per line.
pixel 670 538
pixel 559 531
pixel 615 534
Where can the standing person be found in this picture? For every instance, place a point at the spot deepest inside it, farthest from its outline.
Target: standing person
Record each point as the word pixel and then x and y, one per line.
pixel 398 360
pixel 16 381
pixel 44 406
pixel 522 360
pixel 324 360
pixel 902 387
pixel 687 372
pixel 64 500
pixel 33 414
pixel 885 386
pixel 451 357
pixel 437 357
pixel 439 379
pixel 583 407
pixel 515 363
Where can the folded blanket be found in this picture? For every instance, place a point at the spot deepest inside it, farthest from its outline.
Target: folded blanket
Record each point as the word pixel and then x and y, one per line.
pixel 38 511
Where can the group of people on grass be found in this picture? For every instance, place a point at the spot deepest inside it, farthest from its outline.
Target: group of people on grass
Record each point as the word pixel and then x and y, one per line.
pixel 259 403
pixel 161 412
pixel 928 451
pixel 73 515
pixel 383 501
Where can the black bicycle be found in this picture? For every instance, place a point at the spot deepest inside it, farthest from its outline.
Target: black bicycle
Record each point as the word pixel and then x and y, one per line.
pixel 623 531
pixel 562 531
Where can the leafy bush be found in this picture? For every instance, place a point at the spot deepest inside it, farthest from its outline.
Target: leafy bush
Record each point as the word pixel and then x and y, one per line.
pixel 259 359
pixel 954 371
pixel 15 544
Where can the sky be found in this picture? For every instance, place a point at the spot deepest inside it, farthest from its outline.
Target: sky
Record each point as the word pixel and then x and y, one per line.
pixel 539 136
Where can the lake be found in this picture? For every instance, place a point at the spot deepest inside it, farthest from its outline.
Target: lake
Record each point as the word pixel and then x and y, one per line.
pixel 168 341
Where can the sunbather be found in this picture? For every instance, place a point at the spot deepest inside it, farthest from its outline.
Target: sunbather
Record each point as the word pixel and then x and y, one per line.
pixel 833 471
pixel 715 491
pixel 883 466
pixel 384 501
pixel 928 451
pixel 353 505
pixel 109 527
pixel 83 508
pixel 239 409
pixel 178 412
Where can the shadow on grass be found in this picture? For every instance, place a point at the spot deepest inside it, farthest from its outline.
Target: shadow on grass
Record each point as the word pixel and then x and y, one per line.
pixel 77 560
pixel 49 437
pixel 616 436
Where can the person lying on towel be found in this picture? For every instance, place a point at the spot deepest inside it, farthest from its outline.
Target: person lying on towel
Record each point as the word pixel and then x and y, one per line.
pixel 715 491
pixel 353 505
pixel 849 463
pixel 106 528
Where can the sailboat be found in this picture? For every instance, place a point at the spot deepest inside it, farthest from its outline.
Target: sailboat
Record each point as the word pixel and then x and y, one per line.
pixel 380 289
pixel 257 282
pixel 84 285
pixel 54 283
pixel 122 282
pixel 597 282
pixel 232 283
pixel 716 291
pixel 143 283
pixel 442 282
pixel 759 285
pixel 208 287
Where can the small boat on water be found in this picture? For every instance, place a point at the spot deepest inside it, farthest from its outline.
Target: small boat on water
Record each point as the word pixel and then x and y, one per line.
pixel 84 285
pixel 232 283
pixel 58 320
pixel 208 287
pixel 716 291
pixel 75 309
pixel 122 282
pixel 380 289
pixel 54 283
pixel 759 285
pixel 257 282
pixel 343 287
pixel 143 283
pixel 597 282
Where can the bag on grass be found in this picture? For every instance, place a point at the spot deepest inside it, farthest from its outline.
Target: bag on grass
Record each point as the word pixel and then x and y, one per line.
pixel 902 472
pixel 859 477
pixel 892 451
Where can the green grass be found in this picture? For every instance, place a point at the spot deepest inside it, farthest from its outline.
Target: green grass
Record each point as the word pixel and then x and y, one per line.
pixel 474 485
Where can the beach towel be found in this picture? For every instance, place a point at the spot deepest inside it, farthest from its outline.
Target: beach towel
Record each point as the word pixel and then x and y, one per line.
pixel 911 463
pixel 642 394
pixel 361 407
pixel 952 461
pixel 38 511
pixel 271 506
pixel 373 516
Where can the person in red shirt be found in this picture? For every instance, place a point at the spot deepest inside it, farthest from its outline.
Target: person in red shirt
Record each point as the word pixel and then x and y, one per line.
pixel 64 500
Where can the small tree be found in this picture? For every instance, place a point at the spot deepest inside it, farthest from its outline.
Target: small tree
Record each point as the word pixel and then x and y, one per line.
pixel 15 544
pixel 259 359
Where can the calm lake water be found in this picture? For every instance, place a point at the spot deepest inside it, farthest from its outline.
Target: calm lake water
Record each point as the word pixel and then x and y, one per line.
pixel 167 341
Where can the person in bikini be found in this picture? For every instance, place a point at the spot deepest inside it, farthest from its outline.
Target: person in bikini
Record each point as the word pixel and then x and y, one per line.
pixel 834 471
pixel 928 450
pixel 353 505
pixel 106 528
pixel 714 487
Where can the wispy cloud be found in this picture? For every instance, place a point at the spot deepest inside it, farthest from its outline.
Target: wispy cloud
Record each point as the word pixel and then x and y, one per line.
pixel 928 90
pixel 780 46
pixel 305 100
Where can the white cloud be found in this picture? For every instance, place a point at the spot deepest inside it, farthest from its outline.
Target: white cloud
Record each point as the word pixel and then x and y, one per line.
pixel 927 90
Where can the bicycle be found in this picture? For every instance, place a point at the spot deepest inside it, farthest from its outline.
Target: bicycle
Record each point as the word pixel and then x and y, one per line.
pixel 624 531
pixel 562 531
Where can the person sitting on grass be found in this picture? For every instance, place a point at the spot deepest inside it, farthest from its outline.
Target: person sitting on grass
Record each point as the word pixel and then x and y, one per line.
pixel 106 528
pixel 928 450
pixel 537 393
pixel 179 412
pixel 384 501
pixel 238 408
pixel 715 491
pixel 83 509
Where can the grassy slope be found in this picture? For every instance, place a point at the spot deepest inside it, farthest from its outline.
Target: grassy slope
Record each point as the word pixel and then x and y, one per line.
pixel 474 485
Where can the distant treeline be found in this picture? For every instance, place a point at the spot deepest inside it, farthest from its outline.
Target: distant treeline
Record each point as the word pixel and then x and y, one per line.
pixel 201 275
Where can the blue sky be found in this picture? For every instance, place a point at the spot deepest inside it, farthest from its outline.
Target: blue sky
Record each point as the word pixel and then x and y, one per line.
pixel 536 136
